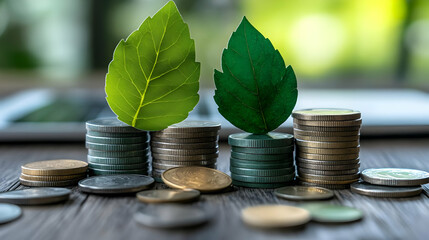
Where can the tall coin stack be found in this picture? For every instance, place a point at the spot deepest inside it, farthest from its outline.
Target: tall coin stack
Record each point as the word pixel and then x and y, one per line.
pixel 327 146
pixel 261 161
pixel 116 148
pixel 189 143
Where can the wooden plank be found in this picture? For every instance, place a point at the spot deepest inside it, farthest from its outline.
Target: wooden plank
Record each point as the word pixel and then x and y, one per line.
pixel 98 217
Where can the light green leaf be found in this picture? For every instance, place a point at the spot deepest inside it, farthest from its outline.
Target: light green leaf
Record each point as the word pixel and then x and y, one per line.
pixel 152 80
pixel 255 92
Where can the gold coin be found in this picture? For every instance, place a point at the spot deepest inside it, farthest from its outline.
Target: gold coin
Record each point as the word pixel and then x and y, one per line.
pixel 314 144
pixel 55 167
pixel 49 183
pixel 194 177
pixel 168 195
pixel 52 178
pixel 351 123
pixel 275 216
pixel 326 139
pixel 328 157
pixel 328 151
pixel 326 114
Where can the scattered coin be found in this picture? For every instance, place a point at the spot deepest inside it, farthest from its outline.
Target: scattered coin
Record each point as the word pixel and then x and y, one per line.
pixel 304 193
pixel 275 216
pixel 260 141
pixel 276 150
pixel 171 216
pixel 198 178
pixel 55 167
pixel 116 184
pixel 328 213
pixel 35 196
pixel 168 195
pixel 384 191
pixel 395 176
pixel 9 212
pixel 326 114
pixel 110 125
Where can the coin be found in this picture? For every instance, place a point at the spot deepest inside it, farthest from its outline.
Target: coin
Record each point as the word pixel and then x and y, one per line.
pixel 384 191
pixel 312 144
pixel 94 171
pixel 259 185
pixel 328 186
pixel 198 178
pixel 118 167
pixel 116 184
pixel 171 216
pixel 53 178
pixel 116 140
pixel 111 125
pixel 325 134
pixel 254 179
pixel 55 167
pixel 349 123
pixel 238 163
pixel 277 150
pixel 326 139
pixel 142 134
pixel 118 160
pixel 327 172
pixel 303 193
pixel 185 135
pixel 200 157
pixel 168 166
pixel 189 126
pixel 9 212
pixel 185 152
pixel 35 196
pixel 270 140
pixel 326 114
pixel 395 176
pixel 326 162
pixel 184 163
pixel 106 154
pixel 328 157
pixel 262 172
pixel 329 177
pixel 191 146
pixel 275 216
pixel 328 182
pixel 338 167
pixel 185 140
pixel 117 147
pixel 168 195
pixel 263 157
pixel 328 151
pixel 329 213
pixel 49 183
pixel 326 129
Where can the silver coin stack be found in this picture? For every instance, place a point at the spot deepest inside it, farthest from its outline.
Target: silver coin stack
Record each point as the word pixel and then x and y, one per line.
pixel 116 148
pixel 327 146
pixel 189 143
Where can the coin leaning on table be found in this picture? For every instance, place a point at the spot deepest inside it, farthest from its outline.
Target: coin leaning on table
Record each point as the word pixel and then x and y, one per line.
pixel 303 193
pixel 116 184
pixel 275 216
pixel 368 189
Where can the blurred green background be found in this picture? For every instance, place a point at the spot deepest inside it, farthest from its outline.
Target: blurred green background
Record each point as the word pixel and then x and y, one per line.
pixel 330 43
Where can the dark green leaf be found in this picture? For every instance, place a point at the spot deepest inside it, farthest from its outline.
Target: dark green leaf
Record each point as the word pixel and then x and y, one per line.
pixel 153 78
pixel 255 92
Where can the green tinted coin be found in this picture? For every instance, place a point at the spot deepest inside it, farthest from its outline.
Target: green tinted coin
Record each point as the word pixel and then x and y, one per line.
pixel 110 140
pixel 328 213
pixel 108 154
pixel 142 134
pixel 271 139
pixel 277 150
pixel 110 125
pixel 395 176
pixel 253 179
pixel 239 163
pixel 304 193
pixel 326 114
pixel 93 171
pixel 118 160
pixel 259 185
pixel 263 157
pixel 262 172
pixel 384 191
pixel 117 147
pixel 118 167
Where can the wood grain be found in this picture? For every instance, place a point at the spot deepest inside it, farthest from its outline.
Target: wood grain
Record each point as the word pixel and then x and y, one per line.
pixel 98 217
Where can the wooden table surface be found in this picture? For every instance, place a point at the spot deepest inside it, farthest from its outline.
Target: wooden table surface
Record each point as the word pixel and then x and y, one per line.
pixel 97 217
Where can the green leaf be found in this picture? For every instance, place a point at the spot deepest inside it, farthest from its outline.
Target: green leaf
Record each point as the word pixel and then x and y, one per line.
pixel 255 92
pixel 152 80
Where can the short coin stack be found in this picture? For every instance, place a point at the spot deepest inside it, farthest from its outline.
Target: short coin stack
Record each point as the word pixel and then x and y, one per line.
pixel 53 173
pixel 116 148
pixel 327 146
pixel 261 161
pixel 189 143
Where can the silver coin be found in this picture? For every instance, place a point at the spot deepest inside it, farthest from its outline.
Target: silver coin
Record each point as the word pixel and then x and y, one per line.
pixel 35 196
pixel 117 147
pixel 395 176
pixel 200 157
pixel 116 140
pixel 142 134
pixel 185 140
pixel 185 163
pixel 185 135
pixel 113 184
pixel 184 152
pixel 110 125
pixel 326 162
pixel 384 191
pixel 184 145
pixel 97 153
pixel 171 216
pixel 9 212
pixel 168 166
pixel 189 126
pixel 303 193
pixel 168 195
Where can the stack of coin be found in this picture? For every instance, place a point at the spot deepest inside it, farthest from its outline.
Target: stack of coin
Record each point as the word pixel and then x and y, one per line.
pixel 189 143
pixel 327 146
pixel 53 173
pixel 116 148
pixel 261 161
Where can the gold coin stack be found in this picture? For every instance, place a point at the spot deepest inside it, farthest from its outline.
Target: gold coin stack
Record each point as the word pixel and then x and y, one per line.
pixel 53 173
pixel 327 146
pixel 189 143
